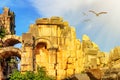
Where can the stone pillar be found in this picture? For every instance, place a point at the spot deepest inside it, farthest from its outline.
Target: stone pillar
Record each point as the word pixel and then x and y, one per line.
pixel 27 55
pixel 52 55
pixel 27 60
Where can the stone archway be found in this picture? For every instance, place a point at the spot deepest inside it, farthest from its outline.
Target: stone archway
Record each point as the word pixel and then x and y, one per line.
pixel 42 46
pixel 44 41
pixel 10 51
pixel 45 54
pixel 5 55
pixel 11 40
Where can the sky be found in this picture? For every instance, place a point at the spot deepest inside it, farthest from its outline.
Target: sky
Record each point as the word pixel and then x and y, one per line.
pixel 104 29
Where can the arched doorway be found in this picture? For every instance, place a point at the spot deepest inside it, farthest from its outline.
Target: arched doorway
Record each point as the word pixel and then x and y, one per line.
pixel 11 40
pixel 8 58
pixel 43 42
pixel 41 45
pixel 41 54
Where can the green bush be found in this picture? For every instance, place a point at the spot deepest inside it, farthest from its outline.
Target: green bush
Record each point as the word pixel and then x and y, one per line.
pixel 40 75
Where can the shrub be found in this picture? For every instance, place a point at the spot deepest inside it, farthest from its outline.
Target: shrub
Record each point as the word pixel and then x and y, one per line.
pixel 29 75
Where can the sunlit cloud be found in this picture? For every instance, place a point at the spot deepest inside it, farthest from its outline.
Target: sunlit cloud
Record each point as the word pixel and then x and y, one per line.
pixel 104 29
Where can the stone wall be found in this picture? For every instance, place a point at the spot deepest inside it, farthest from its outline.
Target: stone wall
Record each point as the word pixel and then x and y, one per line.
pixel 94 58
pixel 114 58
pixel 56 47
pixel 58 50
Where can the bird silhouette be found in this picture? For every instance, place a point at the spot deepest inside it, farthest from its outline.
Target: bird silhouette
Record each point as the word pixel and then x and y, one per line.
pixel 97 14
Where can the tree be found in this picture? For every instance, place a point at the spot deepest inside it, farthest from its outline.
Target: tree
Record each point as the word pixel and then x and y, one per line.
pixel 2 32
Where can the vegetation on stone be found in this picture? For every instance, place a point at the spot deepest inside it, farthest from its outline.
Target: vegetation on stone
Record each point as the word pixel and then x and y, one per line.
pixel 2 33
pixel 29 75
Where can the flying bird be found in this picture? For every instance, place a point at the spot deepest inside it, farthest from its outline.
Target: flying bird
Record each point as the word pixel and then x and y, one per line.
pixel 97 14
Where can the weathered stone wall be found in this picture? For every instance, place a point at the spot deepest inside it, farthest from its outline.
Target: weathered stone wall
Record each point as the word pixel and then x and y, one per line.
pixel 114 58
pixel 56 47
pixel 94 58
pixel 60 52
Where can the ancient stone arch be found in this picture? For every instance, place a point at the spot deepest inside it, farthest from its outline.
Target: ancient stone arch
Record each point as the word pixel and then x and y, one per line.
pixel 11 40
pixel 5 52
pixel 44 40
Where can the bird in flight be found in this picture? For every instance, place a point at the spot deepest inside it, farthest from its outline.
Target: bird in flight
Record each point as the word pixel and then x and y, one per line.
pixel 97 14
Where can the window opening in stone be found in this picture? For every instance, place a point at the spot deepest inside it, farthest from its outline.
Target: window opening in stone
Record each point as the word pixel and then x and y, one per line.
pixel 19 45
pixel 42 45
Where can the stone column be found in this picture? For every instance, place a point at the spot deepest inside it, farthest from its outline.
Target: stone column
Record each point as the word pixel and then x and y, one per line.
pixel 27 60
pixel 27 55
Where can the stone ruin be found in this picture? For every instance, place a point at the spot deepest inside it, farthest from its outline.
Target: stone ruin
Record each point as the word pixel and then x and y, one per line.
pixel 51 43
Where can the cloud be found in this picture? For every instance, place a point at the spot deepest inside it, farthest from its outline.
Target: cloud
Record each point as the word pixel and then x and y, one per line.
pixel 104 29
pixel 109 23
